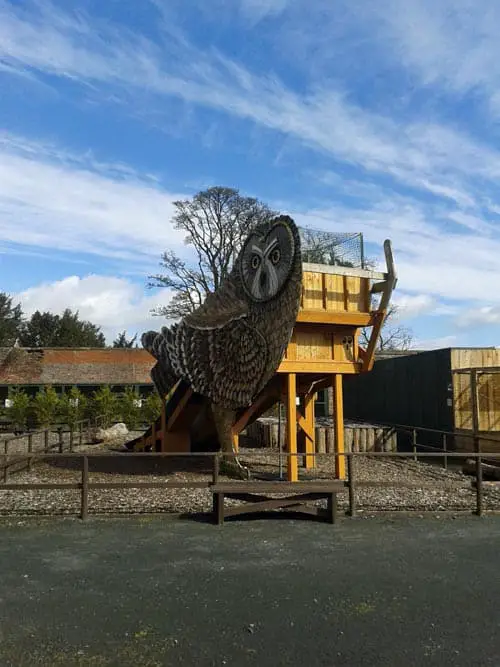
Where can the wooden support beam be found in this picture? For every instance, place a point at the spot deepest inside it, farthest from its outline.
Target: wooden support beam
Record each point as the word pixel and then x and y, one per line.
pixel 291 428
pixel 386 288
pixel 369 354
pixel 334 317
pixel 179 409
pixel 236 441
pixel 320 367
pixel 243 420
pixel 309 400
pixel 338 425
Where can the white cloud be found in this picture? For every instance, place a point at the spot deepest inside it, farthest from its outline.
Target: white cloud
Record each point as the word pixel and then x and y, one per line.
pixel 51 199
pixel 412 305
pixel 455 267
pixel 451 42
pixel 479 317
pixel 435 343
pixel 114 304
pixel 257 10
pixel 427 155
pixel 445 249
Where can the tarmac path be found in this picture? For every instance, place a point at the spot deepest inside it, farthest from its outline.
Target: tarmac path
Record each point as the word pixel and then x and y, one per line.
pixel 154 591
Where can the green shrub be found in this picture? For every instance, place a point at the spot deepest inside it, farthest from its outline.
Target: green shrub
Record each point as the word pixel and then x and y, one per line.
pixel 73 407
pixel 105 404
pixel 19 410
pixel 151 407
pixel 46 406
pixel 129 409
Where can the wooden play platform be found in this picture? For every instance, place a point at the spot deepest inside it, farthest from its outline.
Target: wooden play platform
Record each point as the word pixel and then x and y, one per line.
pixel 336 304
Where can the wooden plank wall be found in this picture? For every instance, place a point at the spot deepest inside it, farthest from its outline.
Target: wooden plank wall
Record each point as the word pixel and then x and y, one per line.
pixel 488 390
pixel 334 293
pixel 474 358
pixel 319 343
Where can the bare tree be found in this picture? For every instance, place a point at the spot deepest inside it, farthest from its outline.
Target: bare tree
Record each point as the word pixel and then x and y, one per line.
pixel 216 222
pixel 392 337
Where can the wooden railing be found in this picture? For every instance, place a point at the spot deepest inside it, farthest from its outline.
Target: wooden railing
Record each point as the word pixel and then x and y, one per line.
pixel 41 441
pixel 351 484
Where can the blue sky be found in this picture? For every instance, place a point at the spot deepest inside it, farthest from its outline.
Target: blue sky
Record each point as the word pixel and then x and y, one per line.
pixel 356 116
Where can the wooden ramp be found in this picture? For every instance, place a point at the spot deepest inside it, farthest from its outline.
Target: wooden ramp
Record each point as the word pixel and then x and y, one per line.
pixel 186 423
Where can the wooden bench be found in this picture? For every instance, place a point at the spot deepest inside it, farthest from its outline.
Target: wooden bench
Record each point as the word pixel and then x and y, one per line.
pixel 256 499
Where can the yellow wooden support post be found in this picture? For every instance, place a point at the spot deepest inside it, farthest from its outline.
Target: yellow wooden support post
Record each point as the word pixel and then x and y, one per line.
pixel 338 421
pixel 236 442
pixel 291 428
pixel 309 401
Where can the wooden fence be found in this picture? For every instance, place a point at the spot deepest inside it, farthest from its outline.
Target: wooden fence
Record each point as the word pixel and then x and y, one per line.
pixel 17 450
pixel 352 484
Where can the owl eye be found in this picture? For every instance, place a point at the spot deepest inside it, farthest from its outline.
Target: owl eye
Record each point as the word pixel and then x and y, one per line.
pixel 255 262
pixel 275 256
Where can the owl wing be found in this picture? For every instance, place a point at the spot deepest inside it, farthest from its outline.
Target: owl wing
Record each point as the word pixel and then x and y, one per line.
pixel 220 308
pixel 227 363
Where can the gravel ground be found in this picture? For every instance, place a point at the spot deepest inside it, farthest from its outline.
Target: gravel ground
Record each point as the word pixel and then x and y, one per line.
pixel 452 489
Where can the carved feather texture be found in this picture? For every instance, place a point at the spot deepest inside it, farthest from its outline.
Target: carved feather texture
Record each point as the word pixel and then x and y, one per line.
pixel 231 346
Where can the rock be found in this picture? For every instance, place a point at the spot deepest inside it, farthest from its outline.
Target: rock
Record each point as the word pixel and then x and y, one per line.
pixel 112 433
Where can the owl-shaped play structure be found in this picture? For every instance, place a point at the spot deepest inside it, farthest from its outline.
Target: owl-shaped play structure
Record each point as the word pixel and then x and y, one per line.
pixel 276 329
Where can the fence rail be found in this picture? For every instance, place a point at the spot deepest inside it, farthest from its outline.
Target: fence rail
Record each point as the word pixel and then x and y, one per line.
pixel 18 461
pixel 351 483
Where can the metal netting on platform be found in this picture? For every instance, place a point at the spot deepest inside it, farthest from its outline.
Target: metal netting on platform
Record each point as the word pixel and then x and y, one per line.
pixel 332 248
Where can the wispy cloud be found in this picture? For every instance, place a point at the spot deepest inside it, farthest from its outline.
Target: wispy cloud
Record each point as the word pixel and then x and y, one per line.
pixel 393 169
pixel 52 199
pixel 429 156
pixel 452 266
pixel 451 43
pixel 479 317
pixel 435 343
pixel 256 10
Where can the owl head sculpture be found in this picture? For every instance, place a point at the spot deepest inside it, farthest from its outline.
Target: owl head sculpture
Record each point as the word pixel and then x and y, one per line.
pixel 268 258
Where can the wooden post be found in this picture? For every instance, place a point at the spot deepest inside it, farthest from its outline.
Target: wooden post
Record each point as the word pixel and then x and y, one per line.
pixel 236 442
pixel 291 429
pixel 30 450
pixel 309 400
pixel 215 477
pixel 6 457
pixel 85 489
pixel 338 424
pixel 479 486
pixel 164 428
pixel 153 437
pixel 477 443
pixel 475 409
pixel 352 497
pixel 60 439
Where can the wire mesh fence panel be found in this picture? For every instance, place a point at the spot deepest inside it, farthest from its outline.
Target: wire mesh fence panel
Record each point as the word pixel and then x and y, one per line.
pixel 332 248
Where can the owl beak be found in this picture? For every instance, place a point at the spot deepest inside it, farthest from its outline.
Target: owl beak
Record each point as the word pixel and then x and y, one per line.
pixel 263 280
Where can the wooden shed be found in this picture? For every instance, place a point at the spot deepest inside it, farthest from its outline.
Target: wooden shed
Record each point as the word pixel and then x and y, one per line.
pixel 432 389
